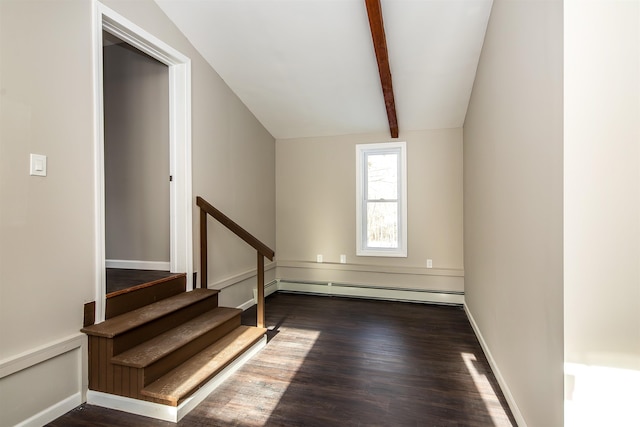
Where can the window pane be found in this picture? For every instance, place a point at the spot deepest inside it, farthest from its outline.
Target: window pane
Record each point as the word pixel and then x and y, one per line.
pixel 382 176
pixel 382 225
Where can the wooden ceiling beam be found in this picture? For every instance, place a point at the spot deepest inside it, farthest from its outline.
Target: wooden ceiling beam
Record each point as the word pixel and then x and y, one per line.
pixel 374 11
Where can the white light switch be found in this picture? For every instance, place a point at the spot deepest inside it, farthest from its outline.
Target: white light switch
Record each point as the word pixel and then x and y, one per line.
pixel 429 263
pixel 343 259
pixel 38 164
pixel 319 258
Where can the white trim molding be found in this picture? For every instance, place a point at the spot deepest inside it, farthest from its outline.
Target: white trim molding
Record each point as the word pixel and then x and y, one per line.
pixel 41 354
pixel 237 278
pixel 127 264
pixel 388 269
pixel 363 199
pixel 54 411
pixel 372 292
pixel 172 413
pixel 269 288
pixel 496 371
pixel 180 216
pixel 377 276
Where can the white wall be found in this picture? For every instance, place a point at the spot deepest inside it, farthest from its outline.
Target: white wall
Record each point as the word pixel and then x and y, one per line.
pixel 513 202
pixel 316 212
pixel 47 265
pixel 602 212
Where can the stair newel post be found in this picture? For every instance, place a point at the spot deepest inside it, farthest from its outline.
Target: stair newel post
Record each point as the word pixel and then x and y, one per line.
pixel 261 248
pixel 203 248
pixel 261 316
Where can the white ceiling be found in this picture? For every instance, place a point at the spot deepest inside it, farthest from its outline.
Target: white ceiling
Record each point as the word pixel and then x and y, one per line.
pixel 307 67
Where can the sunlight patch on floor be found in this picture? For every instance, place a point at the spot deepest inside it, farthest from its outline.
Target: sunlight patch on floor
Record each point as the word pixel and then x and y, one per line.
pixel 304 341
pixel 601 396
pixel 488 394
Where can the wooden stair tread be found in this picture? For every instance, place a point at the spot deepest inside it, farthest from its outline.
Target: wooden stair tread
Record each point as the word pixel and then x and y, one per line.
pixel 158 347
pixel 133 319
pixel 188 377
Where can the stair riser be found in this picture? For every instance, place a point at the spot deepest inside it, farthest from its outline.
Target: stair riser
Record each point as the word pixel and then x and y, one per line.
pixel 134 337
pixel 107 377
pixel 164 365
pixel 126 381
pixel 130 301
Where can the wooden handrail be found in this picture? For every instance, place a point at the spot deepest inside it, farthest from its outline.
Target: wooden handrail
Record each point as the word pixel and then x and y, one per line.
pixel 263 250
pixel 235 228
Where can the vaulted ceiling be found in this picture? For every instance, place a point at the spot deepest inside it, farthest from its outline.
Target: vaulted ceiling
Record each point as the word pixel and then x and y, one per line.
pixel 307 68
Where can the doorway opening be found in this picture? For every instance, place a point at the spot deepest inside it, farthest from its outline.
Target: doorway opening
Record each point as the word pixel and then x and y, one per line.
pixel 143 218
pixel 136 165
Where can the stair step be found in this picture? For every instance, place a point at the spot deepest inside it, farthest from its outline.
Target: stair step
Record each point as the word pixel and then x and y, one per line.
pixel 164 344
pixel 134 297
pixel 128 321
pixel 182 381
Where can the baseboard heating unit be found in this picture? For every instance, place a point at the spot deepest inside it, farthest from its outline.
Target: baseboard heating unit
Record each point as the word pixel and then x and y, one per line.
pixel 364 291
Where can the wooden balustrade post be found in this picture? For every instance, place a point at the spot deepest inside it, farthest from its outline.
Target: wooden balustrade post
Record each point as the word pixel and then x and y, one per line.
pixel 261 248
pixel 261 316
pixel 203 248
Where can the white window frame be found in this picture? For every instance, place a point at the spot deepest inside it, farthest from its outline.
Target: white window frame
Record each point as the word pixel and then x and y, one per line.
pixel 362 150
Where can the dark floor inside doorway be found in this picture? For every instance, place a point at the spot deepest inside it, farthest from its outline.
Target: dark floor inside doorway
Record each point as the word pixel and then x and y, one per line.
pixel 119 279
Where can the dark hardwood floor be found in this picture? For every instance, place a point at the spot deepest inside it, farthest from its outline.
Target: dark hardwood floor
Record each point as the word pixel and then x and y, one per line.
pixel 348 362
pixel 119 279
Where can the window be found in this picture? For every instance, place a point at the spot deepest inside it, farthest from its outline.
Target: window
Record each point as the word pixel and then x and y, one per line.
pixel 381 206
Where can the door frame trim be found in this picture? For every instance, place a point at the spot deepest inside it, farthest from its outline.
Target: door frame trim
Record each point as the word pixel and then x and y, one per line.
pixel 179 65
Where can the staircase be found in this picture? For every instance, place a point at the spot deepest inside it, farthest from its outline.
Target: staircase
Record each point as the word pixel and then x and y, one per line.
pixel 164 350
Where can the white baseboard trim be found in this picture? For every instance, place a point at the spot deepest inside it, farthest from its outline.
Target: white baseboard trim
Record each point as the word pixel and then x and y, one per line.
pixel 375 276
pixel 172 413
pixel 54 411
pixel 496 371
pixel 138 265
pixel 269 288
pixel 246 305
pixel 371 292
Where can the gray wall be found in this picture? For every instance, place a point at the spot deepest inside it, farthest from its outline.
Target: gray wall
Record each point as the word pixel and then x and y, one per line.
pixel 136 146
pixel 513 205
pixel 47 239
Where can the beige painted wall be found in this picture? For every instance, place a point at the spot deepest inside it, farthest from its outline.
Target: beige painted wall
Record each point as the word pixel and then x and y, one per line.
pixel 233 156
pixel 46 224
pixel 602 212
pixel 136 146
pixel 46 246
pixel 513 201
pixel 47 266
pixel 315 181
